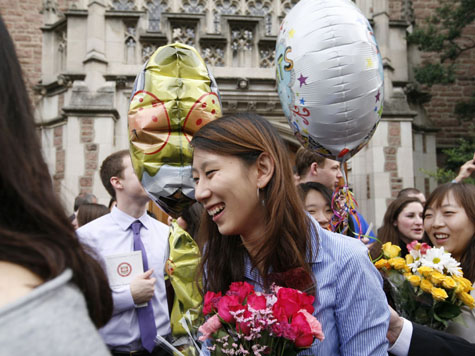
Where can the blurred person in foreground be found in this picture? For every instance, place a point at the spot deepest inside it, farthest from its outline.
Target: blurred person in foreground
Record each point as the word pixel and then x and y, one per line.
pixel 53 294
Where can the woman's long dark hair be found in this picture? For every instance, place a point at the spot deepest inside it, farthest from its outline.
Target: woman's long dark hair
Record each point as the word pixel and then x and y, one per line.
pixel 388 232
pixel 465 196
pixel 286 241
pixel 34 230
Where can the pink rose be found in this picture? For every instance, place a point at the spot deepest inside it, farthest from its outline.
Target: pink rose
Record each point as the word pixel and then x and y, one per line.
pixel 315 326
pixel 209 327
pixel 415 245
pixel 241 289
pixel 210 302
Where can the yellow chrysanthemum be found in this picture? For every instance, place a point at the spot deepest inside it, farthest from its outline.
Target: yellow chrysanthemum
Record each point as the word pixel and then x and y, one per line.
pixel 467 299
pixel 390 250
pixel 382 263
pixel 437 278
pixel 397 263
pixel 426 285
pixel 409 259
pixel 414 280
pixel 439 293
pixel 449 283
pixel 425 271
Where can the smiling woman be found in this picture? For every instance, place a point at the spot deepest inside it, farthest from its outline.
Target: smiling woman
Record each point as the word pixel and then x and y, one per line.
pixel 255 229
pixel 449 221
pixel 402 224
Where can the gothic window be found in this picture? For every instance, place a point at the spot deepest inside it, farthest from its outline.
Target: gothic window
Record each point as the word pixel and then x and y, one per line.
pixel 266 55
pixel 194 6
pixel 286 5
pixel 183 33
pixel 123 5
pixel 62 50
pixel 130 43
pixel 224 7
pixel 155 8
pixel 147 51
pixel 261 8
pixel 242 38
pixel 213 54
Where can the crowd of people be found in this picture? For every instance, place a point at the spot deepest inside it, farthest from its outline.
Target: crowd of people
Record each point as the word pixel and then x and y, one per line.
pixel 256 218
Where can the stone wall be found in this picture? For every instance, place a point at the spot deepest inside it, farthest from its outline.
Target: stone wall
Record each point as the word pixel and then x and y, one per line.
pixel 440 109
pixel 24 21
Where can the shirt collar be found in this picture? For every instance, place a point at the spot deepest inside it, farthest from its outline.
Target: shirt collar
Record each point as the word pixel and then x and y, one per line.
pixel 316 241
pixel 124 220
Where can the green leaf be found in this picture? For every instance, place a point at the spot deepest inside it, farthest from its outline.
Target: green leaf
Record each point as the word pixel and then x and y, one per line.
pixel 446 311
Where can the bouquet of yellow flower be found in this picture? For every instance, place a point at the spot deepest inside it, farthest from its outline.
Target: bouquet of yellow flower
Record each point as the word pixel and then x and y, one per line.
pixel 427 285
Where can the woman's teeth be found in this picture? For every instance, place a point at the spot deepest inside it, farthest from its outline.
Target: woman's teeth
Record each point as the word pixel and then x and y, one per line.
pixel 214 211
pixel 441 236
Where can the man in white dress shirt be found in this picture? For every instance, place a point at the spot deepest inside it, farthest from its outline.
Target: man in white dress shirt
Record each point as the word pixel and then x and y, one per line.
pixel 112 234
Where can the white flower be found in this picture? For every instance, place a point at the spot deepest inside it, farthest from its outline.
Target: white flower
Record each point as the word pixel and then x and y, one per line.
pixel 436 258
pixel 416 255
pixel 453 267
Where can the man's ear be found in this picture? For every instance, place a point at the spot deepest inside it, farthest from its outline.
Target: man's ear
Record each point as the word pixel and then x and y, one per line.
pixel 116 183
pixel 313 168
pixel 265 169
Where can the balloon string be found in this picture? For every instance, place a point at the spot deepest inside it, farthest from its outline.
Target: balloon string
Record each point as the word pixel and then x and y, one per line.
pixel 344 208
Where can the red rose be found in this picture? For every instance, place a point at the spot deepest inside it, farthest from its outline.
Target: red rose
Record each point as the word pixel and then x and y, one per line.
pixel 226 304
pixel 304 336
pixel 241 289
pixel 257 302
pixel 210 302
pixel 306 327
pixel 287 304
pixel 306 302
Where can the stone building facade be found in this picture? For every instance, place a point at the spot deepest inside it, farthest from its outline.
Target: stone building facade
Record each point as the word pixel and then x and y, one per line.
pixel 80 58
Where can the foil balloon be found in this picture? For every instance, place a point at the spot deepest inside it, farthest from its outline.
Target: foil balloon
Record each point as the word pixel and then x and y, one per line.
pixel 329 76
pixel 173 96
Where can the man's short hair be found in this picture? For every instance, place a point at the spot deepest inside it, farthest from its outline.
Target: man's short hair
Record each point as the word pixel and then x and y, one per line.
pixel 408 191
pixel 304 159
pixel 84 198
pixel 112 166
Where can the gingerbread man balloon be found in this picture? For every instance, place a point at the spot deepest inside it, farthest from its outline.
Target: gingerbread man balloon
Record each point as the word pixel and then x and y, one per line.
pixel 173 96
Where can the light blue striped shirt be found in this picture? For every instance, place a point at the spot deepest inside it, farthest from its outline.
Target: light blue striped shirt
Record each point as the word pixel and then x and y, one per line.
pixel 350 302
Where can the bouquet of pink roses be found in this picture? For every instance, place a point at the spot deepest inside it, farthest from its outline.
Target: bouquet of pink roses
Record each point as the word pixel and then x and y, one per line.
pixel 245 322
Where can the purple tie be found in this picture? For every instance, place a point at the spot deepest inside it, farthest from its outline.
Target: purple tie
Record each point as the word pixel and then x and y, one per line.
pixel 148 329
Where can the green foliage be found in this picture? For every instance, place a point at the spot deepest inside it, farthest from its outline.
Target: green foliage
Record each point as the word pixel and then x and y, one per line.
pixel 435 73
pixel 465 110
pixel 456 157
pixel 442 33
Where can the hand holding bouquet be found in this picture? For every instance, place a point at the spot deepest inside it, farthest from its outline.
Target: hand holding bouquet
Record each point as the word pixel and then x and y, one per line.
pixel 245 322
pixel 427 285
